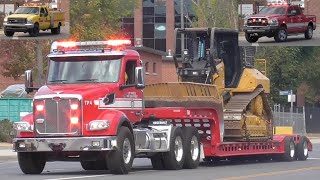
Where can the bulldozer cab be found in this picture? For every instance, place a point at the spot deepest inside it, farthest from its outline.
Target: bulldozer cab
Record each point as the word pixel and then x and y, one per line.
pixel 204 49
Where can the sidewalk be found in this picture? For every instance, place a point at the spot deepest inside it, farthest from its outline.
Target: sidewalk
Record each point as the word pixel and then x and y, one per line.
pixel 6 152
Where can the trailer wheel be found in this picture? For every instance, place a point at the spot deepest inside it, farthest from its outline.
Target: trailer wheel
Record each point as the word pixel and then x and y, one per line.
pixel 290 152
pixel 191 147
pixel 9 33
pixel 34 32
pixel 302 149
pixel 94 165
pixel 250 38
pixel 119 161
pixel 309 32
pixel 174 159
pixel 157 161
pixel 31 162
pixel 281 35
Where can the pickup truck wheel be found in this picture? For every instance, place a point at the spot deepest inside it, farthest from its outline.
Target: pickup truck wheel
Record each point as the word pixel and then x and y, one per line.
pixel 56 30
pixel 191 147
pixel 281 35
pixel 309 32
pixel 9 33
pixel 119 161
pixel 157 161
pixel 302 149
pixel 34 32
pixel 250 38
pixel 94 165
pixel 290 151
pixel 174 159
pixel 31 162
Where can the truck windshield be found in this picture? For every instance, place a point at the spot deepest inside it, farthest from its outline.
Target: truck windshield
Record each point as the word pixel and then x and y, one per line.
pixel 75 71
pixel 273 10
pixel 27 10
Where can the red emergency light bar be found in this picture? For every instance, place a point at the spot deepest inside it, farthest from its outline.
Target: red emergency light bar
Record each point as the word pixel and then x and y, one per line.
pixel 34 4
pixel 277 2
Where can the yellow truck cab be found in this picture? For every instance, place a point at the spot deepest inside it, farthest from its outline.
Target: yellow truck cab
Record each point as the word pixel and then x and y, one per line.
pixel 32 18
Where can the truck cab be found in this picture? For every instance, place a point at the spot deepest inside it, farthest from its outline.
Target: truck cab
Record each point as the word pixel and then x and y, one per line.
pixel 279 20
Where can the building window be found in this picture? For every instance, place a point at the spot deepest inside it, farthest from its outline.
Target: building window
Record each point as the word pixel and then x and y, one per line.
pixel 146 67
pixel 128 28
pixel 154 68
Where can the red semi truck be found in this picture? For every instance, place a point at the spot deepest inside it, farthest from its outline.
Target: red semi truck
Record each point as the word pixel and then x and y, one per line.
pixel 93 110
pixel 279 20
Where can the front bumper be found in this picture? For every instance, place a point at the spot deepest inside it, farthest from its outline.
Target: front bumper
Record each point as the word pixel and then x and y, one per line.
pixel 17 27
pixel 103 143
pixel 260 29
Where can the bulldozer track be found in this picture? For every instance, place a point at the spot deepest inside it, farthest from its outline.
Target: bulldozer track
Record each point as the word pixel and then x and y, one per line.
pixel 234 111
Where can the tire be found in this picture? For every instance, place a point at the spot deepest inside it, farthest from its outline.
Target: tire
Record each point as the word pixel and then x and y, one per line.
pixel 94 165
pixel 31 163
pixel 56 30
pixel 157 161
pixel 290 152
pixel 251 39
pixel 281 35
pixel 302 149
pixel 309 32
pixel 9 33
pixel 119 161
pixel 34 32
pixel 174 159
pixel 191 147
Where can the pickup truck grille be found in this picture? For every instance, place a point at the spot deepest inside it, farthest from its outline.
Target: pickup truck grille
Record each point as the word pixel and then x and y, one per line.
pixel 17 20
pixel 257 22
pixel 57 118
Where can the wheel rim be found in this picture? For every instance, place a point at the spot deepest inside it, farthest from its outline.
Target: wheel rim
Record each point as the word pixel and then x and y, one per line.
pixel 310 32
pixel 126 151
pixel 178 148
pixel 194 148
pixel 282 34
pixel 305 149
pixel 292 150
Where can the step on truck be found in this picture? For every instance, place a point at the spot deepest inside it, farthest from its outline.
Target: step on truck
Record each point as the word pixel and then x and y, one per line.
pixel 279 19
pixel 32 18
pixel 96 109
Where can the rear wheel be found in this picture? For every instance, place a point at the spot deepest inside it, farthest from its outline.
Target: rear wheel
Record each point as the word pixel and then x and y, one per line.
pixel 120 160
pixel 290 152
pixel 9 33
pixel 31 163
pixel 281 35
pixel 250 38
pixel 174 159
pixel 302 149
pixel 56 30
pixel 157 161
pixel 309 32
pixel 191 147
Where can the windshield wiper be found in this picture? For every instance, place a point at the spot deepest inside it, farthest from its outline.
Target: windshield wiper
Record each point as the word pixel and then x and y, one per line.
pixel 58 80
pixel 87 80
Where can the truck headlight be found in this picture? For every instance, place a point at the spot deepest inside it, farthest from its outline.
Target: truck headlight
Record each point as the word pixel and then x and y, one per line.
pixel 273 22
pixel 5 20
pixel 23 127
pixel 98 125
pixel 29 21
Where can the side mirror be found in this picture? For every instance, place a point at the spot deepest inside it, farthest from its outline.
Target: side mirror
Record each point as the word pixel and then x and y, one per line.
pixel 28 81
pixel 140 78
pixel 46 14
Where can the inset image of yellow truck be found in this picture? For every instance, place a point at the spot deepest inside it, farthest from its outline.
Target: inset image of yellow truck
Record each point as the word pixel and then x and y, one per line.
pixel 33 18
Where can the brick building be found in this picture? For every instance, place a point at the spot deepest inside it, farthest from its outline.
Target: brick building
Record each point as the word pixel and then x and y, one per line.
pixel 312 7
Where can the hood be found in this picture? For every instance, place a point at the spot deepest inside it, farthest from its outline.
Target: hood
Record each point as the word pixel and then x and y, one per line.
pixel 266 16
pixel 28 16
pixel 85 90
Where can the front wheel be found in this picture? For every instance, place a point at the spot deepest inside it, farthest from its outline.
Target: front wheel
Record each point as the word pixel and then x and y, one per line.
pixel 8 33
pixel 281 35
pixel 120 160
pixel 250 38
pixel 309 32
pixel 31 162
pixel 34 32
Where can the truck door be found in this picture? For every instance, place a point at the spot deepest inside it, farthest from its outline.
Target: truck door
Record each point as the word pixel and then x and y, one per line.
pixel 44 19
pixel 130 97
pixel 292 23
pixel 300 20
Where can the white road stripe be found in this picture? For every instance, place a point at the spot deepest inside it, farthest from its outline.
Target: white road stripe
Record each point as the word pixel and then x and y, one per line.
pixel 314 158
pixel 79 177
pixel 255 44
pixel 8 162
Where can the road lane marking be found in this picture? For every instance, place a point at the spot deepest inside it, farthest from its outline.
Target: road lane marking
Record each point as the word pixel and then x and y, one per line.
pixel 314 158
pixel 270 173
pixel 10 162
pixel 79 177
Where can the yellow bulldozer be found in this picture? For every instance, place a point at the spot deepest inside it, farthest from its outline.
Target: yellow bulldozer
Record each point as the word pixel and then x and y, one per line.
pixel 211 72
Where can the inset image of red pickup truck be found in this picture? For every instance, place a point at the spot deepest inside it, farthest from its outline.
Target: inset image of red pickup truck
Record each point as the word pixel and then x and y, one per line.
pixel 279 20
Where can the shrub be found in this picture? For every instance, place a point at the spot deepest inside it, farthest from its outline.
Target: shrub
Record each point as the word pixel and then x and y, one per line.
pixel 6 130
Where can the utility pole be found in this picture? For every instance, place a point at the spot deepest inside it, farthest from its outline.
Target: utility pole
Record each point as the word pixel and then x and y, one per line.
pixel 182 26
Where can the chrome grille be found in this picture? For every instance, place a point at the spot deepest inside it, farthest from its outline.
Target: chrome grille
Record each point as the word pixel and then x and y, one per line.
pixel 55 119
pixel 17 20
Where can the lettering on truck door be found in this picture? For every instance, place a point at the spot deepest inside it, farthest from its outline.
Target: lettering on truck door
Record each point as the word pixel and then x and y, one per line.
pixel 292 21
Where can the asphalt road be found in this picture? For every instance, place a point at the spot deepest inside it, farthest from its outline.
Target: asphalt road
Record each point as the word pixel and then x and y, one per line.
pixel 298 40
pixel 65 33
pixel 296 170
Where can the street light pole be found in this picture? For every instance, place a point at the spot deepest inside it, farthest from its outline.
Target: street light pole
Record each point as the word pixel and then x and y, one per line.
pixel 182 26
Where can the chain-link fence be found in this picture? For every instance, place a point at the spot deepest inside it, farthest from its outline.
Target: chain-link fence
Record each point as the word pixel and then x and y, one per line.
pixel 295 118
